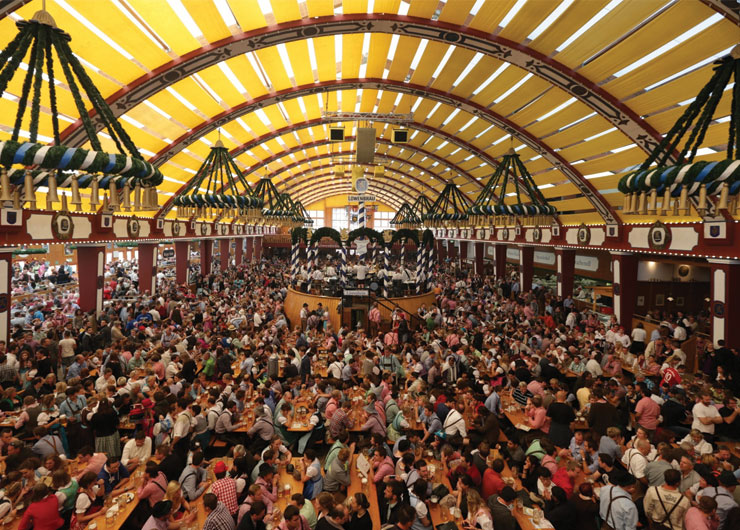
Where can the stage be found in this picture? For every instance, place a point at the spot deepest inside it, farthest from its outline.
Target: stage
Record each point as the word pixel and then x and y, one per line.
pixel 357 303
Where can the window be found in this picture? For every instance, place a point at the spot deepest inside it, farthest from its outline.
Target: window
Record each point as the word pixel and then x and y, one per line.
pixel 339 219
pixel 382 220
pixel 318 218
pixel 342 218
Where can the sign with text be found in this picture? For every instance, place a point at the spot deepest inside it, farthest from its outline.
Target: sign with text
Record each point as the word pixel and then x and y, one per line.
pixel 356 292
pixel 361 198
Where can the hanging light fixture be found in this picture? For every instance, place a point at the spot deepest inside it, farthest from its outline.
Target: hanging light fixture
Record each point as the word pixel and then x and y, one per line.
pixel 218 172
pixel 59 166
pixel 490 208
pixel 274 208
pixel 406 218
pixel 676 183
pixel 449 210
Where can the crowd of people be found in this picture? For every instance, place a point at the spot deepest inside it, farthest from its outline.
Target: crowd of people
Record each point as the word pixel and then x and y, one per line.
pixel 186 397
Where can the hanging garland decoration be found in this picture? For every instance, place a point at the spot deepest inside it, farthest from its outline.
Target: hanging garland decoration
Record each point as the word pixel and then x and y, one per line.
pixel 427 238
pixel 326 232
pixel 217 169
pixel 421 206
pixel 300 214
pixel 675 184
pixel 450 208
pixel 56 166
pixel 406 217
pixel 373 235
pixel 404 235
pixel 274 209
pixel 298 234
pixel 489 208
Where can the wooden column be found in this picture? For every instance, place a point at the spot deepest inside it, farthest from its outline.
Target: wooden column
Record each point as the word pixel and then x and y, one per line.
pixel 182 261
pixel 6 277
pixel 239 251
pixel 565 260
pixel 526 268
pixel 725 314
pixel 624 271
pixel 90 268
pixel 480 249
pixel 225 250
pixel 147 268
pixel 206 249
pixel 499 264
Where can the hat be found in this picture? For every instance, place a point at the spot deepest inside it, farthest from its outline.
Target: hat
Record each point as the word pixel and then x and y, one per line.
pixel 147 403
pixel 161 509
pixel 220 467
pixel 727 478
pixel 370 409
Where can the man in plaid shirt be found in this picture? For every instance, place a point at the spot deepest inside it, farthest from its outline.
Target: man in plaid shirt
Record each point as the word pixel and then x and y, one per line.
pixel 225 489
pixel 340 420
pixel 218 516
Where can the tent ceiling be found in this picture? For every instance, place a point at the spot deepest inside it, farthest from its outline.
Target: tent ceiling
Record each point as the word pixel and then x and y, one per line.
pixel 580 88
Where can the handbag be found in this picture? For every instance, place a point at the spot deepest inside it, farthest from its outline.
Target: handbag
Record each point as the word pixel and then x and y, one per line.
pixel 440 491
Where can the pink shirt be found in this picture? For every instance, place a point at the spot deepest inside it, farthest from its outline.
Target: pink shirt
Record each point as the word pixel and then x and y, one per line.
pixel 538 419
pixel 95 464
pixel 695 519
pixel 536 388
pixel 153 490
pixel 649 412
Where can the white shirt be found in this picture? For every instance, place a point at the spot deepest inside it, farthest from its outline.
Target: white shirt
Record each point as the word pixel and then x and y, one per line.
pixel 361 271
pixel 639 335
pixel 131 451
pixel 594 367
pixel 700 410
pixel 635 462
pixel 455 423
pixel 182 425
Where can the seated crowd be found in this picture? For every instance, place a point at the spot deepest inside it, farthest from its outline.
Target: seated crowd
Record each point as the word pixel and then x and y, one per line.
pixel 487 404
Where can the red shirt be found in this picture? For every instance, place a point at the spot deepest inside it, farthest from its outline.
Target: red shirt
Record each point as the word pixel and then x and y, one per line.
pixel 492 484
pixel 671 377
pixel 561 478
pixel 42 515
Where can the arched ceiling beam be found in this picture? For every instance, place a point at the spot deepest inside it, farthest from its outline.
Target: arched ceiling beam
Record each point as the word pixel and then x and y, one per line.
pixel 587 189
pixel 286 185
pixel 325 120
pixel 387 184
pixel 391 195
pixel 547 68
pixel 299 148
pixel 730 9
pixel 10 6
pixel 293 179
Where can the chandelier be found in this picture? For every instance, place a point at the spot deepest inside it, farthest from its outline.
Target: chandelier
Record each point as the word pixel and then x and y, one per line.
pixel 218 172
pixel 40 46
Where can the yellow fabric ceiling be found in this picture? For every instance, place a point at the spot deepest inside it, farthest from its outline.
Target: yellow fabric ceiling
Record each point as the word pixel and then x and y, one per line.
pixel 121 42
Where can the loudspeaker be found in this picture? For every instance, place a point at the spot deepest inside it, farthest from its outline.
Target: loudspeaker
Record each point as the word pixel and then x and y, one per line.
pixel 336 134
pixel 365 145
pixel 400 136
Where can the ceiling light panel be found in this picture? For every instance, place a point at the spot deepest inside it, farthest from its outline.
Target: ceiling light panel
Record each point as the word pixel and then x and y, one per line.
pixel 326 67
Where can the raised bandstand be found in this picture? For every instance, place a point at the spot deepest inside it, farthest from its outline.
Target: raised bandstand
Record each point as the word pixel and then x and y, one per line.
pixel 353 307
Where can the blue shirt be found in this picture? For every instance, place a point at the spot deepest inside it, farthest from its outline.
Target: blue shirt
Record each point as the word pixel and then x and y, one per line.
pixel 493 402
pixel 74 369
pixel 623 512
pixel 110 481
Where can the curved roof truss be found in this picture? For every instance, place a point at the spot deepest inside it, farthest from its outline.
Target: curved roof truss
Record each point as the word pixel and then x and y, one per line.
pixel 571 173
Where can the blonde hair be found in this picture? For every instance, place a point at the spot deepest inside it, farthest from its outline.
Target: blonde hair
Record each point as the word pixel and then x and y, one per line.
pixel 174 494
pixel 475 501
